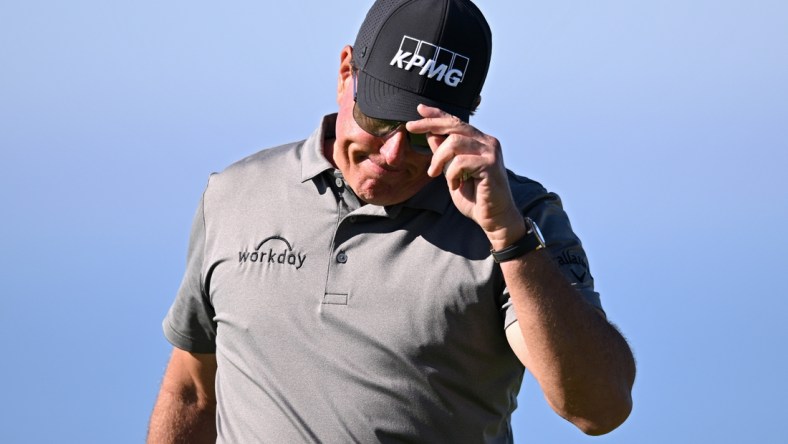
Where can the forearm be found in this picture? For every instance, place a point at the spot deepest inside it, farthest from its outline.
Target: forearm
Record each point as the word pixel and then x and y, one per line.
pixel 182 418
pixel 582 363
pixel 185 411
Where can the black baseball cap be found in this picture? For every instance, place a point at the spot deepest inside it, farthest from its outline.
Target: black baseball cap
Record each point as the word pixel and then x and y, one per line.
pixel 434 52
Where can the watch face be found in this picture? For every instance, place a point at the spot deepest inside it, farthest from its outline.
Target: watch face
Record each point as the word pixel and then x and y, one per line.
pixel 537 231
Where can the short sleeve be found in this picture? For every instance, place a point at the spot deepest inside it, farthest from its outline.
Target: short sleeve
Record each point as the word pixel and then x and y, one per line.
pixel 564 247
pixel 189 324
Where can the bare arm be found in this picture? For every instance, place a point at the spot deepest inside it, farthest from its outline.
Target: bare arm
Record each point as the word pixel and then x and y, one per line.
pixel 185 411
pixel 582 363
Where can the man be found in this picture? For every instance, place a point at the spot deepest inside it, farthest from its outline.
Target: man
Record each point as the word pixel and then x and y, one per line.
pixel 385 280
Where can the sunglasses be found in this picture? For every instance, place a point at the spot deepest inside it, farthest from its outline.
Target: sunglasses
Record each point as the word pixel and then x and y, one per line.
pixel 385 128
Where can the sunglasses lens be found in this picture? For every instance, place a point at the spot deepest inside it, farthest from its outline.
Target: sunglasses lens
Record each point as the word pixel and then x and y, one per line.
pixel 376 127
pixel 419 143
pixel 383 128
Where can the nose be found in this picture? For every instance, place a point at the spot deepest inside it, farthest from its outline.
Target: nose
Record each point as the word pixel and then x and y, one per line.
pixel 395 148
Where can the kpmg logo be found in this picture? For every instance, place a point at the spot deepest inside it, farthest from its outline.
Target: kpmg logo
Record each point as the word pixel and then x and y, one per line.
pixel 274 250
pixel 432 60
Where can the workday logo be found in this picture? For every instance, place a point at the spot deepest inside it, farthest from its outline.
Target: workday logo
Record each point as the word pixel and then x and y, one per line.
pixel 433 61
pixel 274 250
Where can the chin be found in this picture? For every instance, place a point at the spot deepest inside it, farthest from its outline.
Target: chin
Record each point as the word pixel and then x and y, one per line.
pixel 378 197
pixel 376 193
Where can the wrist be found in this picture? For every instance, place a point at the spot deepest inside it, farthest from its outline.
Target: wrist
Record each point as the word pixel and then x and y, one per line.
pixel 508 234
pixel 530 241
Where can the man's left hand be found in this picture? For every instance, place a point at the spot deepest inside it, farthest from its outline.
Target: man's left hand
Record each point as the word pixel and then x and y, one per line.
pixel 472 163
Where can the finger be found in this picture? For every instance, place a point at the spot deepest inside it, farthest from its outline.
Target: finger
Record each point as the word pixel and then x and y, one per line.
pixel 454 145
pixel 435 141
pixel 430 111
pixel 442 156
pixel 447 165
pixel 437 121
pixel 459 170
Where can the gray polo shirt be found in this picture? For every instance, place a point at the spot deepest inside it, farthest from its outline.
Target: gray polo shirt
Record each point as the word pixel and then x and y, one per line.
pixel 336 322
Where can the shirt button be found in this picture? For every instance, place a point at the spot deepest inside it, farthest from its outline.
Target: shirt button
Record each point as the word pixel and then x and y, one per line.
pixel 339 182
pixel 342 257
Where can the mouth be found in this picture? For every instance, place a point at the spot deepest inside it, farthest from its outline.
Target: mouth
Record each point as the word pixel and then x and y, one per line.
pixel 378 167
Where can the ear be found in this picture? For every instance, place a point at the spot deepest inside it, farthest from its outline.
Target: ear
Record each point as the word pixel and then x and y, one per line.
pixel 345 70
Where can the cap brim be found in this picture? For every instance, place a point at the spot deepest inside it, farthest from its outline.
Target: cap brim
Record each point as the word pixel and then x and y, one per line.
pixel 383 101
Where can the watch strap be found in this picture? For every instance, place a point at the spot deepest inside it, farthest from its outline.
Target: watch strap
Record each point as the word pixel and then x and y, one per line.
pixel 531 241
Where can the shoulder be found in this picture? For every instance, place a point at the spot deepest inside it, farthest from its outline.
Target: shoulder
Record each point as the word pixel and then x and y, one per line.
pixel 284 157
pixel 544 207
pixel 528 193
pixel 277 164
pixel 261 175
pixel 563 245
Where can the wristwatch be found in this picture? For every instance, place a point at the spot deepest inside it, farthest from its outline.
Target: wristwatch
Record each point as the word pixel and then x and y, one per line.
pixel 532 241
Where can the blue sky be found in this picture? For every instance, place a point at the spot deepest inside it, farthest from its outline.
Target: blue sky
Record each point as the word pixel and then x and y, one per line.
pixel 663 126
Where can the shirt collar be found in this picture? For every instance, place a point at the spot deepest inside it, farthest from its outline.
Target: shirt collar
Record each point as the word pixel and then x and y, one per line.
pixel 313 161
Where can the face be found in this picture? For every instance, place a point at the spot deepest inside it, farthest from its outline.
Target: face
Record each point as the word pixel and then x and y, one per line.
pixel 381 170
